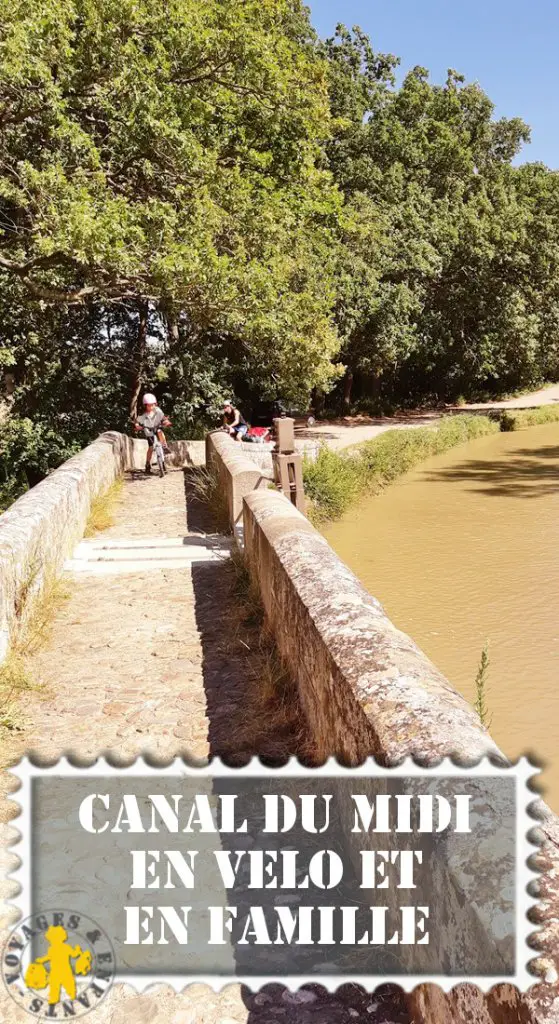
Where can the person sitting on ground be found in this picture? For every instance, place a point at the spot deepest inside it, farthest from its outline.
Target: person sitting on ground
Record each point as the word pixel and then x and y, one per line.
pixel 151 421
pixel 233 421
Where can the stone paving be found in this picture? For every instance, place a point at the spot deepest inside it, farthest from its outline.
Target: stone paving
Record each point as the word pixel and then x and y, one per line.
pixel 122 670
pixel 155 663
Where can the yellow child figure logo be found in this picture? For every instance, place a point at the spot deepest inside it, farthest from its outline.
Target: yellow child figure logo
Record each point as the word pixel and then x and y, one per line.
pixel 74 974
pixel 62 972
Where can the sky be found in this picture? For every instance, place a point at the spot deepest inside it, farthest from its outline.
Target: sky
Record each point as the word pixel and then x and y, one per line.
pixel 511 47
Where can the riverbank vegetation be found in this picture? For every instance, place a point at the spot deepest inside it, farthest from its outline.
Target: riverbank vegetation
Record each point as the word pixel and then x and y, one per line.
pixel 270 214
pixel 517 419
pixel 336 479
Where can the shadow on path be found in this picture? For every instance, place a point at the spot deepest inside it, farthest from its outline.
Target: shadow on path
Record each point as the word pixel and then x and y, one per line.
pixel 252 708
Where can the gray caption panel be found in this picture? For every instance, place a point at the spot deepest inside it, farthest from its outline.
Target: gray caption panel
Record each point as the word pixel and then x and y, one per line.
pixel 331 875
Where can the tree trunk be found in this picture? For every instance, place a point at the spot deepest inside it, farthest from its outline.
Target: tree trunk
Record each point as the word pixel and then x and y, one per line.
pixel 173 331
pixel 139 360
pixel 169 315
pixel 317 401
pixel 348 384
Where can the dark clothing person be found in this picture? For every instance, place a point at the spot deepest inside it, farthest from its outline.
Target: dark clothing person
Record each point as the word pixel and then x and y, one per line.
pixel 234 418
pixel 234 421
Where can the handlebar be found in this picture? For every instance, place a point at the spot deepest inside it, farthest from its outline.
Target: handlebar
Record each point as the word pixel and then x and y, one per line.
pixel 152 430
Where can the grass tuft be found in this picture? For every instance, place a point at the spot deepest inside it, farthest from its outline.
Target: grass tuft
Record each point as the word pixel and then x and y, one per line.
pixel 103 510
pixel 332 483
pixel 36 627
pixel 32 633
pixel 206 487
pixel 14 678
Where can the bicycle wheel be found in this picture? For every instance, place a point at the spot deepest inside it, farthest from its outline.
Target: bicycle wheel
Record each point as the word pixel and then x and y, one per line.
pixel 161 461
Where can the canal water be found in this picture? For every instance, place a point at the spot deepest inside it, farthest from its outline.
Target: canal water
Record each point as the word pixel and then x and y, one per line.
pixel 465 550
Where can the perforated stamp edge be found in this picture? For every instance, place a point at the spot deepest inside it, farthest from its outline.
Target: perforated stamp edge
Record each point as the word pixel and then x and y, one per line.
pixel 526 845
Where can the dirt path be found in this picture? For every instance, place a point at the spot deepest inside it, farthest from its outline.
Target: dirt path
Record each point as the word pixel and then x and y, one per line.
pixel 545 396
pixel 353 430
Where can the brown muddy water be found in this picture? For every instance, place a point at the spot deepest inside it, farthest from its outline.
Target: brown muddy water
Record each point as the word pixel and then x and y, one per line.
pixel 466 549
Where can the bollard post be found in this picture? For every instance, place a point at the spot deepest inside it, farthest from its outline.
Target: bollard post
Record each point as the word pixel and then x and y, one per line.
pixel 288 464
pixel 284 433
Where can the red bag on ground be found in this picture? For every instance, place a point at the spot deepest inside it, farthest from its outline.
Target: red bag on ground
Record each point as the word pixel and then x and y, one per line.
pixel 258 434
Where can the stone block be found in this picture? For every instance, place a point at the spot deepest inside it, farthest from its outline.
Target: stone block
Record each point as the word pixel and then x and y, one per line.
pixel 238 474
pixel 38 532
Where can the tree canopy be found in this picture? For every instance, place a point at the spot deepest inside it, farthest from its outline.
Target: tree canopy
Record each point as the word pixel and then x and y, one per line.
pixel 202 197
pixel 443 292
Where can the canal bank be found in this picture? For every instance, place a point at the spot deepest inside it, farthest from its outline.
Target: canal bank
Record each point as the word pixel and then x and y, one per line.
pixel 463 550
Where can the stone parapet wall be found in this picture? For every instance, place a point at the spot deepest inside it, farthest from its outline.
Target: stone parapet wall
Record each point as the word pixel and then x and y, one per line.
pixel 183 453
pixel 39 530
pixel 365 686
pixel 239 475
pixel 367 689
pixel 261 454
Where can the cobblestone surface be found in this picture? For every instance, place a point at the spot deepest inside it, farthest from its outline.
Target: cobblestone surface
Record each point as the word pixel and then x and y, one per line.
pixel 122 672
pixel 136 664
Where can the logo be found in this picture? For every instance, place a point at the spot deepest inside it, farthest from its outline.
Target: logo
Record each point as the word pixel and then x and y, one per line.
pixel 58 965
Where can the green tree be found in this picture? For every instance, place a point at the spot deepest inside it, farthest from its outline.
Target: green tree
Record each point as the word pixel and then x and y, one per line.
pixel 201 197
pixel 442 291
pixel 165 155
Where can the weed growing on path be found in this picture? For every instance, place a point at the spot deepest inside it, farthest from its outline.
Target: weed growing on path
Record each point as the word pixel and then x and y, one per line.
pixel 35 628
pixel 31 634
pixel 206 487
pixel 103 509
pixel 14 678
pixel 480 704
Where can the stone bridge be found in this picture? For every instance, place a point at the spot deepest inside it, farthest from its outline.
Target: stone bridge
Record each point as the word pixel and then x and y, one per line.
pixel 149 653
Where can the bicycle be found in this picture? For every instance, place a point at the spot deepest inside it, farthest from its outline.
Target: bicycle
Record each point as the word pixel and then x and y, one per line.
pixel 159 454
pixel 154 442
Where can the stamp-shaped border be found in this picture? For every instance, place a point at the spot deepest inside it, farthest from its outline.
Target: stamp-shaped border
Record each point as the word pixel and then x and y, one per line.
pixel 522 771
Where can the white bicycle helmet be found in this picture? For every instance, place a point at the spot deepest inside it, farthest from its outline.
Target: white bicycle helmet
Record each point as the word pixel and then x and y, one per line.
pixel 149 399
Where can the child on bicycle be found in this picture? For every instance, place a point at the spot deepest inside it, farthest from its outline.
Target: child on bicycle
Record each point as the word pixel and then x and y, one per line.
pixel 151 421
